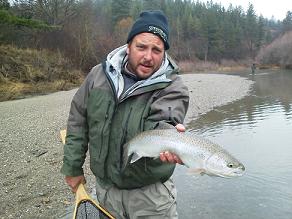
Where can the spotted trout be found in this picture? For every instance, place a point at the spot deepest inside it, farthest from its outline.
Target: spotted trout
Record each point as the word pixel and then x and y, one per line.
pixel 197 153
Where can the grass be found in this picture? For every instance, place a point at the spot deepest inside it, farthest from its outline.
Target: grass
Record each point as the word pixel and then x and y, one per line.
pixel 18 90
pixel 27 72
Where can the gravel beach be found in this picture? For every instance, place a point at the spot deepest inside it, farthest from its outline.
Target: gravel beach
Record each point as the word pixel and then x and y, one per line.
pixel 31 151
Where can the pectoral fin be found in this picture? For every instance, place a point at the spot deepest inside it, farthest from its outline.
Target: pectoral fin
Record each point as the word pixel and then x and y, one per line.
pixel 129 160
pixel 135 157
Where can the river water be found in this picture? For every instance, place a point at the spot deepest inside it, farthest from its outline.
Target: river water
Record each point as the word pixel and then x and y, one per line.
pixel 258 131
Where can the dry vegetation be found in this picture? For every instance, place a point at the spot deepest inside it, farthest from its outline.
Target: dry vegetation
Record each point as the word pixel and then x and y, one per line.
pixel 25 72
pixel 278 52
pixel 208 66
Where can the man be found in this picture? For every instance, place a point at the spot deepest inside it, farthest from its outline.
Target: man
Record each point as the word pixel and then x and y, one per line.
pixel 135 89
pixel 253 68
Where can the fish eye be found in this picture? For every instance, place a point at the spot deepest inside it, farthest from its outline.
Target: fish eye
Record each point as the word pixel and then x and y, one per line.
pixel 230 165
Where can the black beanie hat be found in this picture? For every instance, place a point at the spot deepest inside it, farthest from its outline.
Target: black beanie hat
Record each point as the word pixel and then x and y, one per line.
pixel 151 22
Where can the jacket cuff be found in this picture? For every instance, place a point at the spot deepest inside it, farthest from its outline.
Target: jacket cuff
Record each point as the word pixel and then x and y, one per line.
pixel 71 171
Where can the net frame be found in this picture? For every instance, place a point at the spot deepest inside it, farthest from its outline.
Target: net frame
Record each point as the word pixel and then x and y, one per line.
pixel 87 208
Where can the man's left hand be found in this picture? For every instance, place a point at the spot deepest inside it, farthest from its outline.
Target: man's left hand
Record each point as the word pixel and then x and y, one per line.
pixel 167 156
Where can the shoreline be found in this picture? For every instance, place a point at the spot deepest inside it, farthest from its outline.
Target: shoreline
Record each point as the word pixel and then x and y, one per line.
pixel 31 150
pixel 208 91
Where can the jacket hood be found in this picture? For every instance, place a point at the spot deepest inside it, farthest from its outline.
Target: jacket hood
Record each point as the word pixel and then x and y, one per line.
pixel 118 57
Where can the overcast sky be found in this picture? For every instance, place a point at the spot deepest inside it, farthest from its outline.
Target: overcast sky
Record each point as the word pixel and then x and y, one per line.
pixel 268 8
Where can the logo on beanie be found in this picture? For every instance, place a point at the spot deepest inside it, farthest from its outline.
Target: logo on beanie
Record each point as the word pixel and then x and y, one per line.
pixel 158 31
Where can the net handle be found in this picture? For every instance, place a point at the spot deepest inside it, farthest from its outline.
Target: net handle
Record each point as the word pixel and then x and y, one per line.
pixel 82 195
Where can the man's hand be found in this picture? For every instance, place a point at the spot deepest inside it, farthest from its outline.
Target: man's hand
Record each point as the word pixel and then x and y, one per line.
pixel 180 128
pixel 166 156
pixel 74 181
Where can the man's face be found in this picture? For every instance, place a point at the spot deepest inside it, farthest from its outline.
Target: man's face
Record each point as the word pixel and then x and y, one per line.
pixel 146 53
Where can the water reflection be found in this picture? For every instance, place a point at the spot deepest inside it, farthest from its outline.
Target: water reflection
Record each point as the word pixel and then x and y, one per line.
pixel 257 130
pixel 272 93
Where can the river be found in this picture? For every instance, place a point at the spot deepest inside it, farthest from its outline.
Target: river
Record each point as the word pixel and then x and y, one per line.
pixel 257 130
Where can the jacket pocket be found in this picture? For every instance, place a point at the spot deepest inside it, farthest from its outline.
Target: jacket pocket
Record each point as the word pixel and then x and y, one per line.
pixel 104 127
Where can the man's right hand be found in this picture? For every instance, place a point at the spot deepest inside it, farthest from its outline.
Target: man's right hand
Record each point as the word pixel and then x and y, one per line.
pixel 74 181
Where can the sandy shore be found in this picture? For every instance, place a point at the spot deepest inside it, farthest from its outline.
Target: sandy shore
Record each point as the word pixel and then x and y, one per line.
pixel 31 152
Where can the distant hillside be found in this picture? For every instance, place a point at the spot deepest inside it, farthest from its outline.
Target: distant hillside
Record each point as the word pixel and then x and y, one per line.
pixel 25 72
pixel 278 52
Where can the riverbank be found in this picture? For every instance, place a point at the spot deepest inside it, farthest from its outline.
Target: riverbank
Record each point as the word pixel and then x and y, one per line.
pixel 31 72
pixel 31 151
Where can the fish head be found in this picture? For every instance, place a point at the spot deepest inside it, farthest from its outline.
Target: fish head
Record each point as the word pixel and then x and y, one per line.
pixel 224 165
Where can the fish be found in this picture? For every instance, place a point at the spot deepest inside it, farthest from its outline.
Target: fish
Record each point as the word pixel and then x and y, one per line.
pixel 197 153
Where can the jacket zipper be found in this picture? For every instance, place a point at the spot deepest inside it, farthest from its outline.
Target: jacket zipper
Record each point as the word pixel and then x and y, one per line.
pixel 131 92
pixel 110 82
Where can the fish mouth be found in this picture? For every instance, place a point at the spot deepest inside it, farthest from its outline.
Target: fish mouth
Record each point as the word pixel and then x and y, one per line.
pixel 239 171
pixel 229 174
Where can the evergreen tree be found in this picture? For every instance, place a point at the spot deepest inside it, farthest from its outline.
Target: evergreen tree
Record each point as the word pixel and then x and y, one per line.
pixel 136 9
pixel 7 18
pixel 232 34
pixel 260 33
pixel 287 22
pixel 151 4
pixel 120 10
pixel 251 29
pixel 211 34
pixel 4 4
